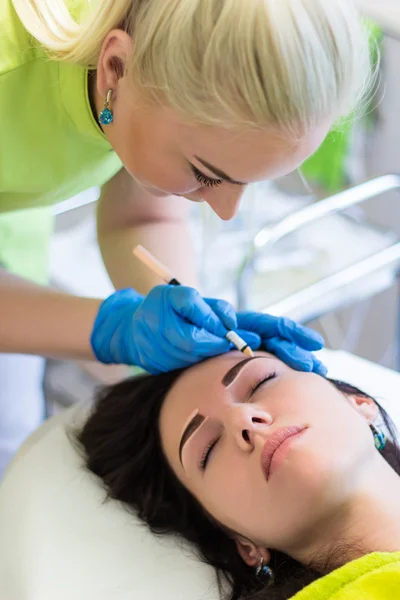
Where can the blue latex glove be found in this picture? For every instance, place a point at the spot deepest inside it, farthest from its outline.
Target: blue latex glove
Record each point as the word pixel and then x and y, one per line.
pixel 290 342
pixel 171 328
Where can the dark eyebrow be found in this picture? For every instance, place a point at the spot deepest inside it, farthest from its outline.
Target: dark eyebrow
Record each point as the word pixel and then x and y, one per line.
pixel 231 375
pixel 220 174
pixel 191 427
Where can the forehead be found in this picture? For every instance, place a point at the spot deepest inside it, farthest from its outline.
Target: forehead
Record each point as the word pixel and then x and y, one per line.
pixel 200 383
pixel 247 154
pixel 253 155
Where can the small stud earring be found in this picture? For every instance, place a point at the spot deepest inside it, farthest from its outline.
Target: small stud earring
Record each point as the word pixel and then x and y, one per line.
pixel 106 116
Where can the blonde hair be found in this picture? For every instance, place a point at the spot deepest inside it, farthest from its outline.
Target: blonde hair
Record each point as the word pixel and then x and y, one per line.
pixel 285 63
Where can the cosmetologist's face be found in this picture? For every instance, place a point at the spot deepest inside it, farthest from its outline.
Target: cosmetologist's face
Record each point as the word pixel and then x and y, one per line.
pixel 168 156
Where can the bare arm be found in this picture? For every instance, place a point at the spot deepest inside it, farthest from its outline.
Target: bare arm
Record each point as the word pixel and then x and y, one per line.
pixel 39 320
pixel 128 216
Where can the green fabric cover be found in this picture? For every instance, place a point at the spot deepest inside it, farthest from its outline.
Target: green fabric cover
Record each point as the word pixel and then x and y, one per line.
pixel 372 577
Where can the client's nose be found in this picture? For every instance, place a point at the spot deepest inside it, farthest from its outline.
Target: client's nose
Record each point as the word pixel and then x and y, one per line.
pixel 246 423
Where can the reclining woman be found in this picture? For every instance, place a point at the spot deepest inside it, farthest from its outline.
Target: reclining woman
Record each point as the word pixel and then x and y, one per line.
pixel 284 480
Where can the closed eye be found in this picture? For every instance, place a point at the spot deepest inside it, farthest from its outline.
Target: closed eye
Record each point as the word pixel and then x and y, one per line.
pixel 259 383
pixel 203 179
pixel 207 453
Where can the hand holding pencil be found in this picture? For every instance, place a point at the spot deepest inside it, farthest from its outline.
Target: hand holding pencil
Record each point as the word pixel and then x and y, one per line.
pixel 166 276
pixel 174 327
pixel 171 328
pixel 289 341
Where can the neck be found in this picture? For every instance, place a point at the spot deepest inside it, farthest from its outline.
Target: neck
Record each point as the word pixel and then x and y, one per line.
pixel 368 521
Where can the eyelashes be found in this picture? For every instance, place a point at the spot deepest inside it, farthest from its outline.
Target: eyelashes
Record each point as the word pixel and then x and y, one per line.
pixel 206 454
pixel 260 382
pixel 203 180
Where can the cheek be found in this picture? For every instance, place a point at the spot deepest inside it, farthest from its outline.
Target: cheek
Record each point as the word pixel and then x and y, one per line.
pixel 235 496
pixel 322 471
pixel 341 431
pixel 152 167
pixel 149 154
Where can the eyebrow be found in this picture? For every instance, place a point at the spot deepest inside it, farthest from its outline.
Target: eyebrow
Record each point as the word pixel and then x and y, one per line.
pixel 231 375
pixel 220 174
pixel 191 427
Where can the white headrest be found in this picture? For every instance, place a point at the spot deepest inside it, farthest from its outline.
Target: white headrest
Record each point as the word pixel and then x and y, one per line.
pixel 60 541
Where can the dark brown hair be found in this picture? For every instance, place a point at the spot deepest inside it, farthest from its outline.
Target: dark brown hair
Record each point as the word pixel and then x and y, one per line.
pixel 122 445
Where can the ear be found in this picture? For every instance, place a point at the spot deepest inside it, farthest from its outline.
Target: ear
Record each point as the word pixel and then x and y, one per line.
pixel 365 407
pixel 251 554
pixel 111 66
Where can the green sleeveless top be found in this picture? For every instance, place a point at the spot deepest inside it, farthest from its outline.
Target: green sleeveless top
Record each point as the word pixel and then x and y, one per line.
pixel 51 147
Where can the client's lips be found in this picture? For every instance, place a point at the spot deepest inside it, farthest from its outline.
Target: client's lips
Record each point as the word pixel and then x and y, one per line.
pixel 272 444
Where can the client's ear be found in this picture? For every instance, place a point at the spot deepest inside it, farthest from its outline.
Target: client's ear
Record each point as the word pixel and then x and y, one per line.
pixel 365 407
pixel 250 553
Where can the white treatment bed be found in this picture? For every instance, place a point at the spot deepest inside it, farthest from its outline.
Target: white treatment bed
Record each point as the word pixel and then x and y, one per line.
pixel 60 541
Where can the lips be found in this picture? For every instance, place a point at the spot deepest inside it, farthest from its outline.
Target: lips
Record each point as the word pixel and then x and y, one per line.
pixel 272 444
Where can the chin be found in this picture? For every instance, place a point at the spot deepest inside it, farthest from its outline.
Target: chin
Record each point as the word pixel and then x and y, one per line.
pixel 158 193
pixel 197 200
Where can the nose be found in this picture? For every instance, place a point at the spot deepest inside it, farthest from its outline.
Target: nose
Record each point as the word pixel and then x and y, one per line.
pixel 246 423
pixel 225 200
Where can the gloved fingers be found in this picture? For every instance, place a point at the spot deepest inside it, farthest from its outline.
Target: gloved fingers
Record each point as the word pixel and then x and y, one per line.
pixel 199 344
pixel 289 353
pixel 157 353
pixel 302 336
pixel 184 337
pixel 224 311
pixel 168 363
pixel 319 368
pixel 295 357
pixel 252 339
pixel 188 303
pixel 264 325
pixel 204 344
pixel 269 326
pixel 112 312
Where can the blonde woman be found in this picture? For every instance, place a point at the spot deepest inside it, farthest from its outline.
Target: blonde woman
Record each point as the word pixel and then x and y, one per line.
pixel 161 103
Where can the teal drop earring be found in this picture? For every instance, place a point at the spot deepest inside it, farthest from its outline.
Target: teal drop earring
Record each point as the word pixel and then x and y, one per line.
pixel 379 437
pixel 106 116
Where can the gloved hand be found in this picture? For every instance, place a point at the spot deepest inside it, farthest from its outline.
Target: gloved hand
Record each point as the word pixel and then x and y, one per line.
pixel 290 342
pixel 171 328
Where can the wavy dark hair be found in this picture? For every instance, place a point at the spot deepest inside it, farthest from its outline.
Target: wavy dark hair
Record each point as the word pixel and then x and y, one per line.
pixel 122 445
